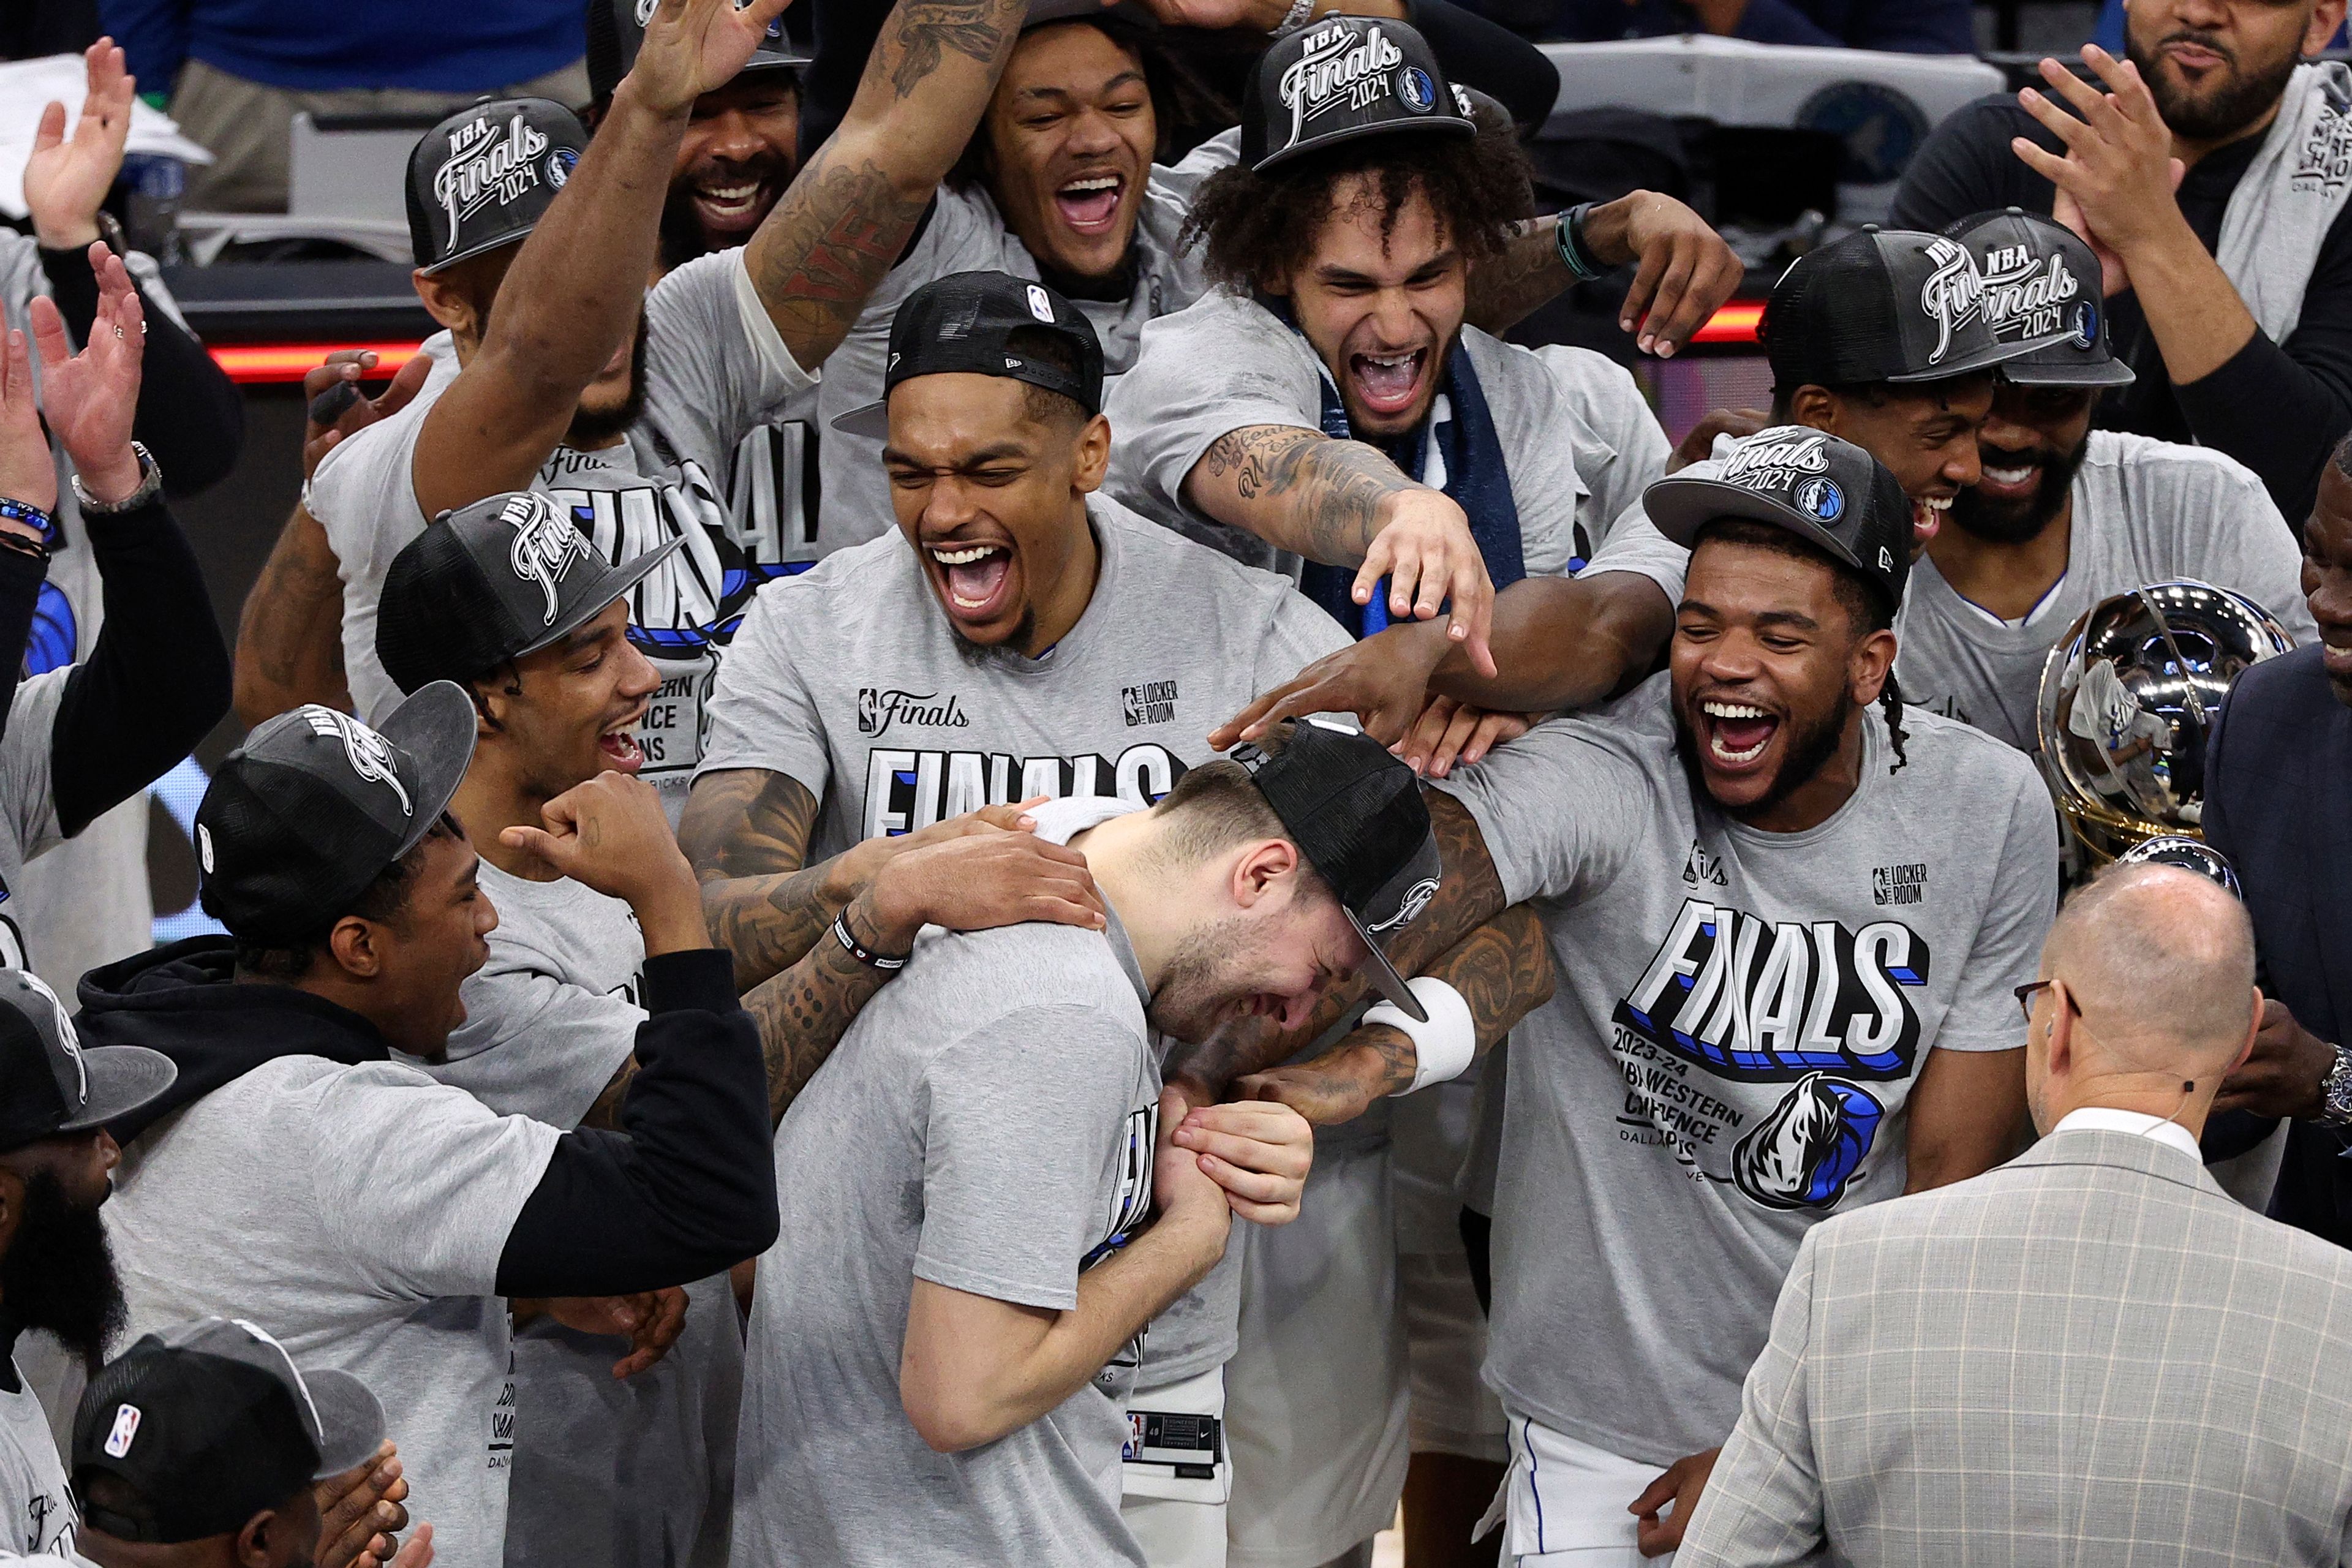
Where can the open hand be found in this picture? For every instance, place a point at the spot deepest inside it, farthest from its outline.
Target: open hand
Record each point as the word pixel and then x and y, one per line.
pixel 1683 271
pixel 1259 1150
pixel 360 1511
pixel 650 1321
pixel 694 46
pixel 1658 1533
pixel 2114 184
pixel 978 880
pixel 1448 731
pixel 1384 681
pixel 64 180
pixel 351 411
pixel 89 398
pixel 1426 551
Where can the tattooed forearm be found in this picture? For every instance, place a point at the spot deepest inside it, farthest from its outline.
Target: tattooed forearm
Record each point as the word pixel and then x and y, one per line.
pixel 1529 275
pixel 1503 970
pixel 928 34
pixel 842 234
pixel 747 832
pixel 803 1014
pixel 1298 488
pixel 289 645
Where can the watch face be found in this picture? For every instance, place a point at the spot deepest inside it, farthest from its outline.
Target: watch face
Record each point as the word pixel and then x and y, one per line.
pixel 151 484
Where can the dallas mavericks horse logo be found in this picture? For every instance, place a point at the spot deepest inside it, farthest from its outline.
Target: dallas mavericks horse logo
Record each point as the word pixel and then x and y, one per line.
pixel 369 754
pixel 1804 1154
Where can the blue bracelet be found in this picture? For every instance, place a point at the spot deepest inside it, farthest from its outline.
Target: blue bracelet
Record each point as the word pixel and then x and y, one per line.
pixel 26 512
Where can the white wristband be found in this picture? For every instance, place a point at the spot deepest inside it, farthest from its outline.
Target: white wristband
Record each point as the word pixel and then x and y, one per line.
pixel 1444 1046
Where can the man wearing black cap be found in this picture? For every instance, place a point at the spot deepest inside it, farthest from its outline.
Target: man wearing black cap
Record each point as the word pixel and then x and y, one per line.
pixel 199 1446
pixel 1021 635
pixel 1786 926
pixel 56 1274
pixel 971 1345
pixel 370 1216
pixel 2061 515
pixel 504 598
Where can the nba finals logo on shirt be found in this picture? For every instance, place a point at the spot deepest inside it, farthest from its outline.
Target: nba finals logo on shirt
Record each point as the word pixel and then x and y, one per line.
pixel 907 789
pixel 545 544
pixel 2026 297
pixel 1780 461
pixel 878 710
pixel 486 163
pixel 1340 68
pixel 1952 294
pixel 369 753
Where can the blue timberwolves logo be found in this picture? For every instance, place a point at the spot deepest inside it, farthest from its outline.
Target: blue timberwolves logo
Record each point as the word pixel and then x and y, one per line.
pixel 1804 1154
pixel 2086 325
pixel 1821 499
pixel 1880 127
pixel 1415 90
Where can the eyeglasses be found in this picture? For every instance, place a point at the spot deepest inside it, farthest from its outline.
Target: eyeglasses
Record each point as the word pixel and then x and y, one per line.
pixel 2024 995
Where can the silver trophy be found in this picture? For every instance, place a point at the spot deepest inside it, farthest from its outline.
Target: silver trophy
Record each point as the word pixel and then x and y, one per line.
pixel 2130 699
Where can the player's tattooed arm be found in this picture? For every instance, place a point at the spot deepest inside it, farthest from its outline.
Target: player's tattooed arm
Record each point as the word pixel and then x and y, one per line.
pixel 289 644
pixel 746 832
pixel 847 216
pixel 1298 490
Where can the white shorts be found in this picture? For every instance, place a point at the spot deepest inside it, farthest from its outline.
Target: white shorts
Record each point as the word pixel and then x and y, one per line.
pixel 1445 1330
pixel 1316 1395
pixel 1175 1432
pixel 1564 1502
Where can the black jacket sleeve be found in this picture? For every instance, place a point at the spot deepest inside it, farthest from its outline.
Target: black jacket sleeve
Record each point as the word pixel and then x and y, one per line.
pixel 1478 53
pixel 689 1186
pixel 157 680
pixel 1967 166
pixel 21 577
pixel 190 414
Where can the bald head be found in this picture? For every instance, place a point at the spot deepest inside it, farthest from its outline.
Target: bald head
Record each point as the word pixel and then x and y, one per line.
pixel 2161 964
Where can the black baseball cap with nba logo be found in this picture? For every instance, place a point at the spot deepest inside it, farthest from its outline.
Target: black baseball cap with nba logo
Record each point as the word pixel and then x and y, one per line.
pixel 51 1085
pixel 1355 813
pixel 1343 79
pixel 1826 490
pixel 506 576
pixel 2042 289
pixel 1880 305
pixel 316 804
pixel 987 323
pixel 483 177
pixel 207 1423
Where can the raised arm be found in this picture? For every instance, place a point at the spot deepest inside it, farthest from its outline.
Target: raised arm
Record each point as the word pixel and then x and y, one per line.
pixel 572 295
pixel 848 214
pixel 1682 271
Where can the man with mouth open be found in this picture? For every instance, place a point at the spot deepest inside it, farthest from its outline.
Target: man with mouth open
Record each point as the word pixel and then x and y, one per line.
pixel 1020 635
pixel 2202 168
pixel 504 598
pixel 2060 515
pixel 1786 915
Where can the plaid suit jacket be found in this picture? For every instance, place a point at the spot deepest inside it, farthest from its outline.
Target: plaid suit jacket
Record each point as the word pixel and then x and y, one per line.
pixel 2091 1355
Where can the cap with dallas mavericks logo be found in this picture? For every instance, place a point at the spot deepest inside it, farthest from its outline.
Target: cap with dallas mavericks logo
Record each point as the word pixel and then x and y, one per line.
pixel 483 177
pixel 315 805
pixel 617 31
pixel 1343 79
pixel 1880 305
pixel 987 323
pixel 51 1085
pixel 504 577
pixel 1826 490
pixel 2042 290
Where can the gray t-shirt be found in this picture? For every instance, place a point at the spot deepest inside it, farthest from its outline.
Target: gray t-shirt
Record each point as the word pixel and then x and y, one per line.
pixel 2144 512
pixel 715 368
pixel 28 810
pixel 850 680
pixel 358 1213
pixel 1741 1017
pixel 965 233
pixel 1579 439
pixel 986 1124
pixel 37 1508
pixel 633 1474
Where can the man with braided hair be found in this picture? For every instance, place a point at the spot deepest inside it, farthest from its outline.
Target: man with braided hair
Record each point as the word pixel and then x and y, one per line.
pixel 1785 917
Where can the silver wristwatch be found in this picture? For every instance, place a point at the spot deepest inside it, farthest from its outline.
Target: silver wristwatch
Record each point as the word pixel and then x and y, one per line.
pixel 2336 1092
pixel 150 485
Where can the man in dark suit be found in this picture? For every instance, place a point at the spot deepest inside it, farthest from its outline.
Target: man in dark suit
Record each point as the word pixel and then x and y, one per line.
pixel 2278 802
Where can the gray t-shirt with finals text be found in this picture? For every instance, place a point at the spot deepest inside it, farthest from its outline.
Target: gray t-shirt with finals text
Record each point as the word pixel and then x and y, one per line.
pixel 1579 439
pixel 2144 512
pixel 715 369
pixel 358 1213
pixel 986 1124
pixel 1739 1020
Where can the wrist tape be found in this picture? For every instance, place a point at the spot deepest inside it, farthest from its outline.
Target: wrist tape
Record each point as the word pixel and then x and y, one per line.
pixel 1445 1045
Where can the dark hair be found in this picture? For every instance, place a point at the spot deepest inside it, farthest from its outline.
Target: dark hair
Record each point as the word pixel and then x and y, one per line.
pixel 1043 405
pixel 287 960
pixel 1864 603
pixel 1216 806
pixel 1179 95
pixel 2343 455
pixel 1263 227
pixel 1869 393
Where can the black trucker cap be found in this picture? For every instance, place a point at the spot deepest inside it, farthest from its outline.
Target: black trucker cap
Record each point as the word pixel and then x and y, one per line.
pixel 315 805
pixel 987 323
pixel 616 30
pixel 482 177
pixel 1823 489
pixel 52 1085
pixel 490 582
pixel 211 1422
pixel 1341 78
pixel 1357 814
pixel 2042 290
pixel 1882 304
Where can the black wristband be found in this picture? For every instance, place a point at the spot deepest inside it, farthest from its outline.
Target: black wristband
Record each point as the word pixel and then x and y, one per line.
pixel 859 951
pixel 1574 254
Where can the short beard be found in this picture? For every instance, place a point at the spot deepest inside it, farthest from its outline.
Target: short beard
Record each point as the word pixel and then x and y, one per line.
pixel 682 235
pixel 1994 525
pixel 59 1272
pixel 1195 984
pixel 1811 748
pixel 981 655
pixel 2230 110
pixel 589 429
